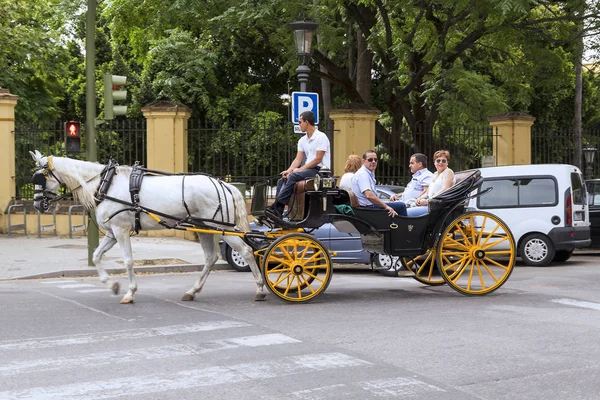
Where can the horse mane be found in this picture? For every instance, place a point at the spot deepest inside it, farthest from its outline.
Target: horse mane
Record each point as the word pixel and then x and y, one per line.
pixel 84 177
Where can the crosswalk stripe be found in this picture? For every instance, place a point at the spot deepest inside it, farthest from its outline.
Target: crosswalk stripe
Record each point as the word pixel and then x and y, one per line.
pixel 38 343
pixel 211 376
pixel 152 353
pixel 105 290
pixel 76 286
pixel 577 303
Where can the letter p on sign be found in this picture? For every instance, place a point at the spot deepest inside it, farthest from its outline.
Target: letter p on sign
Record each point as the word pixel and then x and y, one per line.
pixel 305 101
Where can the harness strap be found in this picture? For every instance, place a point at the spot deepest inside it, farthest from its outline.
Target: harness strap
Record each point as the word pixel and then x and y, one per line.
pixel 135 184
pixel 106 177
pixel 189 215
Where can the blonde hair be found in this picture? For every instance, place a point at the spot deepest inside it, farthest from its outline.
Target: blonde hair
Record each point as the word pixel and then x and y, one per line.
pixel 442 153
pixel 353 163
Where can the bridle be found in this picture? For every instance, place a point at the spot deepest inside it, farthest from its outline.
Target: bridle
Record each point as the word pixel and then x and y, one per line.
pixel 48 197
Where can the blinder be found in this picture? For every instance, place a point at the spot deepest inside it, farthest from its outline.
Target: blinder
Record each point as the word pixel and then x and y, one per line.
pixel 42 198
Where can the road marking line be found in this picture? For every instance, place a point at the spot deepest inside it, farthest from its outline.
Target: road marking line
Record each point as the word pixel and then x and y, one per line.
pixel 57 282
pixel 151 353
pixel 398 387
pixel 129 334
pixel 105 290
pixel 211 376
pixel 76 285
pixel 577 303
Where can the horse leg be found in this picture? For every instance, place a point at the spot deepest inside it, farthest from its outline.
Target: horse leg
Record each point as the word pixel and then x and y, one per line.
pixel 107 243
pixel 237 243
pixel 210 258
pixel 124 241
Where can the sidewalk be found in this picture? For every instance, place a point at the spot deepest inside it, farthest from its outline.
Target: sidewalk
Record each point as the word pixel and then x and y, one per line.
pixel 29 257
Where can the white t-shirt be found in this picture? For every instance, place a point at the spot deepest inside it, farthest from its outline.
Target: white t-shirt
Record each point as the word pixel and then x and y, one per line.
pixel 317 142
pixel 346 181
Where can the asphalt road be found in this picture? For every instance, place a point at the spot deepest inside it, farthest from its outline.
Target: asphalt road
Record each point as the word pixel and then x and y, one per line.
pixel 366 337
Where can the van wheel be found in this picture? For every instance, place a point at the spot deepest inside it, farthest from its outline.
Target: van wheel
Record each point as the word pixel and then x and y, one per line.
pixel 536 250
pixel 562 255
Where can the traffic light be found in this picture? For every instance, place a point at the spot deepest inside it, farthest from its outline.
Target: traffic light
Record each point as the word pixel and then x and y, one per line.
pixel 73 136
pixel 112 94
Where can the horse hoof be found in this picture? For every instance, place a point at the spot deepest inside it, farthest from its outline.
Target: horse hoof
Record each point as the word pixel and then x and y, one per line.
pixel 116 287
pixel 187 297
pixel 260 297
pixel 126 300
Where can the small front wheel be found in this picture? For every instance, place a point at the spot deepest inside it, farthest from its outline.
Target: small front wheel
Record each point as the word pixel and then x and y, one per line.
pixel 297 268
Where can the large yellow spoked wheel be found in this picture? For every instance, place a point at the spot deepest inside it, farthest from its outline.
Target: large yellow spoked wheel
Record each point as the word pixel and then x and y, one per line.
pixel 424 268
pixel 476 253
pixel 297 268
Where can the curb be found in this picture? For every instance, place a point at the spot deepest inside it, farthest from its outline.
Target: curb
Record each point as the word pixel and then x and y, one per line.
pixel 91 272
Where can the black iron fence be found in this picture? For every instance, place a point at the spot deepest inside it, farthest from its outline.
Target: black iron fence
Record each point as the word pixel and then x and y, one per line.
pixel 245 152
pixel 467 147
pixel 557 146
pixel 124 140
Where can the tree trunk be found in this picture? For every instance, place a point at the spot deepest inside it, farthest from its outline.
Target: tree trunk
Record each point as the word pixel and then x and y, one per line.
pixel 364 64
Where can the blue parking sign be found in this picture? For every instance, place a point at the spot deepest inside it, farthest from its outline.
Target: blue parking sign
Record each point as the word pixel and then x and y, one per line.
pixel 305 101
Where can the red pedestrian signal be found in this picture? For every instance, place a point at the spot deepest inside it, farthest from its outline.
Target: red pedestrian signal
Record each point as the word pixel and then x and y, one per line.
pixel 73 136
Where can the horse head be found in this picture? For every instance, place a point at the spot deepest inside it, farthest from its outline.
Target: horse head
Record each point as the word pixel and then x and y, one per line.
pixel 45 181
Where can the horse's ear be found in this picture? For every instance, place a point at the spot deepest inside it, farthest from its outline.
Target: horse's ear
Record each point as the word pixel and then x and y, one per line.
pixel 37 157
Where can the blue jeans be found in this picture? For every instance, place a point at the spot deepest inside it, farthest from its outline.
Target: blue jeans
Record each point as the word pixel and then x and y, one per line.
pixel 416 211
pixel 285 187
pixel 397 206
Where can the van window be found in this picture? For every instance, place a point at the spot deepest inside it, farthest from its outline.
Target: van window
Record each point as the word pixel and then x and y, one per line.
pixel 578 188
pixel 523 192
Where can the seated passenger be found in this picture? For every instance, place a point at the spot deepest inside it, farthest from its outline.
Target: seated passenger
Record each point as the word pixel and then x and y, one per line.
pixel 353 164
pixel 442 180
pixel 363 187
pixel 419 183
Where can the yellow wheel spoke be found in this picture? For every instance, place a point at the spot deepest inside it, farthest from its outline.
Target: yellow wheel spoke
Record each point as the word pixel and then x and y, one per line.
pixel 282 279
pixel 308 285
pixel 489 271
pixel 314 276
pixel 496 263
pixel 493 244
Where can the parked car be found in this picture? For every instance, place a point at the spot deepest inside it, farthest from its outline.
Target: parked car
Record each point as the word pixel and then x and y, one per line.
pixel 593 192
pixel 544 206
pixel 348 246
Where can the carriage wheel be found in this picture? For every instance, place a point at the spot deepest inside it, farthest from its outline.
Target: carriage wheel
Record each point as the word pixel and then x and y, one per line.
pixel 477 253
pixel 297 268
pixel 424 268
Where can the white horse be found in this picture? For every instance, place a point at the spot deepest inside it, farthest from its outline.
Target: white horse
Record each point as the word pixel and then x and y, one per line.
pixel 212 202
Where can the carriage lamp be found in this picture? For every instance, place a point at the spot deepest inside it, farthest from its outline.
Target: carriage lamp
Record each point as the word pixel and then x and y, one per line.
pixel 327 181
pixel 589 153
pixel 303 34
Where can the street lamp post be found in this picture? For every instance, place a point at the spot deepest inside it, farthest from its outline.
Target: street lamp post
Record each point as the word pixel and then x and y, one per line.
pixel 303 34
pixel 589 153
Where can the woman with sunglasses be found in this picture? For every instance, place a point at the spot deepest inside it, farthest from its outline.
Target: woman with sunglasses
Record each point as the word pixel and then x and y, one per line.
pixel 443 178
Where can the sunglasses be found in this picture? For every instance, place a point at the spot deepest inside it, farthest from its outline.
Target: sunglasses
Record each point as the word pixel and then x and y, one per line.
pixel 372 160
pixel 441 160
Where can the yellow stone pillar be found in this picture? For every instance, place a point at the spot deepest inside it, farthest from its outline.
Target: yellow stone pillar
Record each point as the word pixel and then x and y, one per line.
pixel 167 145
pixel 513 145
pixel 7 148
pixel 167 136
pixel 354 134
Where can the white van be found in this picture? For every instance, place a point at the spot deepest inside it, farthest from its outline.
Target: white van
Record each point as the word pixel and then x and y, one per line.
pixel 544 205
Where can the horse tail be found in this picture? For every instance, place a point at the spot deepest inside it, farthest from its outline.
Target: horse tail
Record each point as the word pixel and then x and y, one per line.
pixel 239 209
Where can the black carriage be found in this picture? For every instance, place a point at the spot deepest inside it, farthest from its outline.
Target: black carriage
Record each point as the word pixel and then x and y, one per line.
pixel 472 251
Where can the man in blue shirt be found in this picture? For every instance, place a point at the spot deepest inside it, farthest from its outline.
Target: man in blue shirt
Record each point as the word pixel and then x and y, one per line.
pixel 363 187
pixel 421 178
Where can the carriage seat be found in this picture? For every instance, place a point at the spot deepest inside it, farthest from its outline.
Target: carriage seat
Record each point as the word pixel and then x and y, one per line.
pixel 297 204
